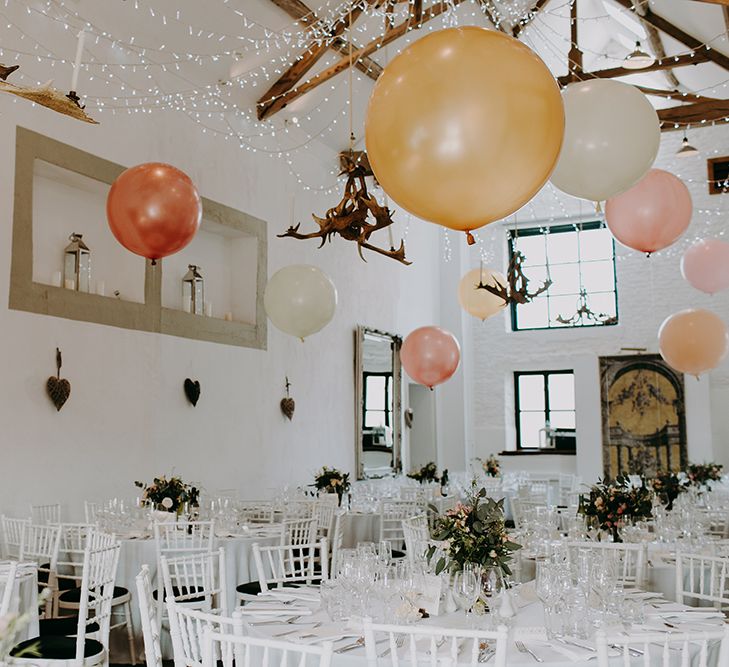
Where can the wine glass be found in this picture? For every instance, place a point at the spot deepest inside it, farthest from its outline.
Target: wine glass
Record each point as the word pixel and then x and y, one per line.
pixel 466 589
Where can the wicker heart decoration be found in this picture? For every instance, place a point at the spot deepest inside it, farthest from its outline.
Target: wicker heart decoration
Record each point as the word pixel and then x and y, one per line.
pixel 288 405
pixel 58 388
pixel 192 390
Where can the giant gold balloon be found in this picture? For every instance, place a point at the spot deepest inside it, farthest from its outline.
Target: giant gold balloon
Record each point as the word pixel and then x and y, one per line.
pixel 464 127
pixel 611 139
pixel 693 341
pixel 300 300
pixel 479 302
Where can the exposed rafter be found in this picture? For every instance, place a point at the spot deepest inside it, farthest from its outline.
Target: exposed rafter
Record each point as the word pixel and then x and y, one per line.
pixel 574 57
pixel 298 10
pixel 693 114
pixel 656 44
pixel 676 95
pixel 491 13
pixel 267 107
pixel 536 8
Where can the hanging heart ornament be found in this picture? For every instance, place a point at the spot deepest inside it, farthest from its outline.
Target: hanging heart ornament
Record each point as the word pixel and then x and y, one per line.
pixel 192 390
pixel 58 388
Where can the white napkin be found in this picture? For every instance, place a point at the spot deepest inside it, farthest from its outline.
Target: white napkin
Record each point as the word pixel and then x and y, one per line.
pixel 280 610
pixel 331 632
pixel 293 594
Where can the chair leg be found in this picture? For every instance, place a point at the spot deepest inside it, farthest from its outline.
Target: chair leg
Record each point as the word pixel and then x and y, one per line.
pixel 130 632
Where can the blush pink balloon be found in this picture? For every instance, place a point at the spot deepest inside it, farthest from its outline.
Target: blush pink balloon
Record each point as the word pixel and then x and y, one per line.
pixel 430 355
pixel 693 341
pixel 652 215
pixel 705 265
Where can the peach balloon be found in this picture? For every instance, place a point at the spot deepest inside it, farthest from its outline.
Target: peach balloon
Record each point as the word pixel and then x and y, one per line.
pixel 652 215
pixel 693 341
pixel 430 355
pixel 705 265
pixel 479 302
pixel 464 127
pixel 153 210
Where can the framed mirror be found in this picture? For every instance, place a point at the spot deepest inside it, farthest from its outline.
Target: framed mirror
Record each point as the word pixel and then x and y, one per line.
pixel 378 403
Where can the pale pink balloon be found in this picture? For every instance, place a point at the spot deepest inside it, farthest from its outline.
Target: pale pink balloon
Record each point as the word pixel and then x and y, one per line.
pixel 705 265
pixel 652 215
pixel 430 355
pixel 693 341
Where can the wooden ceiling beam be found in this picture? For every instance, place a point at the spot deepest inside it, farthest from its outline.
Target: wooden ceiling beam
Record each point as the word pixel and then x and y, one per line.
pixel 693 114
pixel 725 3
pixel 675 95
pixel 664 25
pixel 614 72
pixel 574 56
pixel 299 11
pixel 368 49
pixel 536 8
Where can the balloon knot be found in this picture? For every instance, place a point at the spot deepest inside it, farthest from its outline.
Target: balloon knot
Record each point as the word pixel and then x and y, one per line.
pixel 648 255
pixel 470 240
pixel 154 262
pixel 301 339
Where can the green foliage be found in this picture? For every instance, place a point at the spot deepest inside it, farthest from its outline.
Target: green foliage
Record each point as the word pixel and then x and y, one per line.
pixel 611 503
pixel 171 494
pixel 331 480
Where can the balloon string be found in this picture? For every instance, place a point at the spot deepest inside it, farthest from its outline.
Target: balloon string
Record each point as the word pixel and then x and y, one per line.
pixel 351 82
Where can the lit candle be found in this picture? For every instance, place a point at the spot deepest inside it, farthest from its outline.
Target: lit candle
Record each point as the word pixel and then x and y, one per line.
pixel 209 308
pixel 77 62
pixel 70 283
pixel 56 280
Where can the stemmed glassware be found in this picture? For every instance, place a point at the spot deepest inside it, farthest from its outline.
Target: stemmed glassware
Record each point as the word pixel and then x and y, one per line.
pixel 466 589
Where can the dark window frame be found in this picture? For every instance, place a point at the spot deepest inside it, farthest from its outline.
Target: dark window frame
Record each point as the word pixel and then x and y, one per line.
pixel 388 402
pixel 517 401
pixel 513 236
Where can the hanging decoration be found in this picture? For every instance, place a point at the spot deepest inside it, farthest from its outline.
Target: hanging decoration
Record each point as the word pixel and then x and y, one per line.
pixel 516 287
pixel 288 405
pixel 300 300
pixel 192 391
pixel 705 265
pixel 584 314
pixel 651 215
pixel 153 210
pixel 448 133
pixel 349 217
pixel 6 71
pixel 430 355
pixel 479 302
pixel 611 139
pixel 693 341
pixel 58 388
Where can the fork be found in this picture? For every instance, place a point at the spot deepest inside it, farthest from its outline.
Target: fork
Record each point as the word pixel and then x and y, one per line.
pixel 399 643
pixel 524 649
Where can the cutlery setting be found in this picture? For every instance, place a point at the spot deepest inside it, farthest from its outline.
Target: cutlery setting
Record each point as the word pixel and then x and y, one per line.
pixel 523 648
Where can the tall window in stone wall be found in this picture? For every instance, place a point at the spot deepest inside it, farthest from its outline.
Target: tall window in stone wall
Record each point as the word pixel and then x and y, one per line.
pixel 579 259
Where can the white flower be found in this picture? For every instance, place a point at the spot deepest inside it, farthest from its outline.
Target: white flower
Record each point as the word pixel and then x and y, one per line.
pixel 5 623
pixel 167 503
pixel 492 554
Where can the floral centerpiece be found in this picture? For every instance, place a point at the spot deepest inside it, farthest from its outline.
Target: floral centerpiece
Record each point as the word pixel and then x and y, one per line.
pixel 700 474
pixel 474 532
pixel 491 466
pixel 668 486
pixel 611 504
pixel 169 495
pixel 331 480
pixel 428 473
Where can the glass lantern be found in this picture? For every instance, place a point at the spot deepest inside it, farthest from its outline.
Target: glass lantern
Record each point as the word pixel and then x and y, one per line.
pixel 77 264
pixel 193 291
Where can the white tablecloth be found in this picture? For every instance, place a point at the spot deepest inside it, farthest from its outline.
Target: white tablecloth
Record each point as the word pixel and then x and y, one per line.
pixel 25 601
pixel 360 527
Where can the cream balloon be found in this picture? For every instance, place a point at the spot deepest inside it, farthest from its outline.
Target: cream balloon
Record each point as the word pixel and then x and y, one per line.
pixel 693 341
pixel 464 127
pixel 300 300
pixel 611 139
pixel 480 302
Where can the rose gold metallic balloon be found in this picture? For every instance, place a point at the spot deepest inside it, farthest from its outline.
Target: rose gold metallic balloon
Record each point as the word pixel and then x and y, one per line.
pixel 153 210
pixel 430 355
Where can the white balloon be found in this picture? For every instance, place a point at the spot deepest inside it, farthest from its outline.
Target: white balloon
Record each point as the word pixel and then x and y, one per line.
pixel 300 300
pixel 611 139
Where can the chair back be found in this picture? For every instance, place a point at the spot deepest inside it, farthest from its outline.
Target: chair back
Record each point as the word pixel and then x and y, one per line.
pixel 299 531
pixel 7 585
pixel 392 512
pixel 150 621
pixel 197 580
pixel 325 509
pixel 654 648
pixel 255 511
pixel 13 536
pixel 262 652
pixel 335 543
pixel 42 514
pixel 432 646
pixel 187 630
pixel 417 536
pixel 284 563
pixel 702 579
pixel 632 559
pixel 71 552
pixel 91 509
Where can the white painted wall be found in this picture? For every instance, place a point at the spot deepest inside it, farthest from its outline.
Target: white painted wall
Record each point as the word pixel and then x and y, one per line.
pixel 127 417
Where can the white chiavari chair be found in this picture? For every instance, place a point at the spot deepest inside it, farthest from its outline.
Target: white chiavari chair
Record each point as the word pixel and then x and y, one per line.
pixel 715 523
pixel 70 572
pixel 13 534
pixel 197 580
pixel 91 509
pixel 262 652
pixel 299 531
pixel 336 544
pixel 7 585
pixel 41 545
pixel 255 511
pixel 42 514
pixel 298 509
pixel 150 622
pixel 285 564
pixel 417 535
pixel 631 559
pixel 698 649
pixel 432 646
pixel 179 538
pixel 187 630
pixel 702 579
pixel 392 513
pixel 83 640
pixel 325 509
